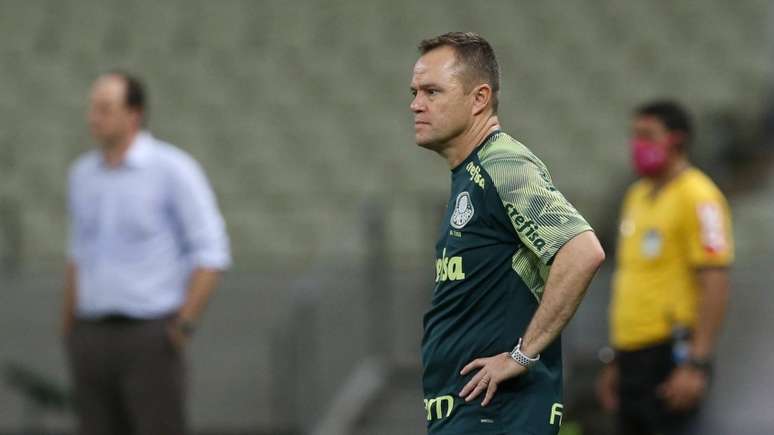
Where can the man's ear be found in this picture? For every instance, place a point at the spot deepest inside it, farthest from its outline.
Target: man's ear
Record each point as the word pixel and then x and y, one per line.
pixel 482 98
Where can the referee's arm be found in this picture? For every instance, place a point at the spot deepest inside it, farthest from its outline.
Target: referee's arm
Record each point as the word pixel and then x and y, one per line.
pixel 713 300
pixel 688 383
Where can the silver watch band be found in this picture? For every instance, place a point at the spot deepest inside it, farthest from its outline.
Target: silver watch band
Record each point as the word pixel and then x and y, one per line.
pixel 522 359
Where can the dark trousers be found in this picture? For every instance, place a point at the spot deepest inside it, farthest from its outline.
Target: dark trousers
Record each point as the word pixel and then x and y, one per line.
pixel 642 411
pixel 128 378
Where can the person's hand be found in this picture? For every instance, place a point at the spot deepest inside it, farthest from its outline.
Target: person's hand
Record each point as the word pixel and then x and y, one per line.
pixel 684 388
pixel 607 388
pixel 177 336
pixel 493 370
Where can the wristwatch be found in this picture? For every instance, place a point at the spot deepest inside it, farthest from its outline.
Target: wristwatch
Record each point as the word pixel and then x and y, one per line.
pixel 521 358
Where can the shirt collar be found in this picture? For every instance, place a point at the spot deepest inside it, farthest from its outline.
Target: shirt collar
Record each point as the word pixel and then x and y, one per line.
pixel 138 154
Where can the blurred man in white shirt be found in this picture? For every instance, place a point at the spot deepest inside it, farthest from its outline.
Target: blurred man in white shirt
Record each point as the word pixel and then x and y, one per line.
pixel 147 246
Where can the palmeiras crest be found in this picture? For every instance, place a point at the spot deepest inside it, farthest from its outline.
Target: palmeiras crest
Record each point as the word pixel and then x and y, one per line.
pixel 463 211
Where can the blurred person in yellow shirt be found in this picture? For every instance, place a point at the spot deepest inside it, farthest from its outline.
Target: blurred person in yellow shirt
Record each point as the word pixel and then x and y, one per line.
pixel 670 287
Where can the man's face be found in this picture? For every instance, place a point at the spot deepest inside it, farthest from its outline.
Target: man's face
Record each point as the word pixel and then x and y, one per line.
pixel 653 146
pixel 442 110
pixel 110 119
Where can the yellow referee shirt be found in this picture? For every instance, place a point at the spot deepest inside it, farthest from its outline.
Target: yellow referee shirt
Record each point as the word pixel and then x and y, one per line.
pixel 663 240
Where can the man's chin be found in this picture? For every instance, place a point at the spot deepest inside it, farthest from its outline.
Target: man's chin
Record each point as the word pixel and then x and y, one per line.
pixel 426 143
pixel 105 141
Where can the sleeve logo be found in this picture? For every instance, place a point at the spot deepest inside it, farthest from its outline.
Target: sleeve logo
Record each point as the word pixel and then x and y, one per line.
pixel 463 211
pixel 713 236
pixel 526 227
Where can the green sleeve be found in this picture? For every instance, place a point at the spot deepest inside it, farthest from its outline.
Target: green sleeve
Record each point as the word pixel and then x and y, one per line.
pixel 540 215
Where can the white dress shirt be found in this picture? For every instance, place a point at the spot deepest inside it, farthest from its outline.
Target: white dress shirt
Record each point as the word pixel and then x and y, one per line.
pixel 138 230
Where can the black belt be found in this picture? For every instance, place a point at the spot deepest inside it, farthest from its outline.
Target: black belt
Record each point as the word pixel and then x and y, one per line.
pixel 116 319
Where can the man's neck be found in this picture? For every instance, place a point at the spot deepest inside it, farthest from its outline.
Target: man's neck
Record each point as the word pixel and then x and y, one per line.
pixel 114 153
pixel 674 170
pixel 461 146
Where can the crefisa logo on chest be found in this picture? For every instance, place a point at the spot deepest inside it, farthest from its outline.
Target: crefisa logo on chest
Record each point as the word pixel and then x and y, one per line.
pixel 463 211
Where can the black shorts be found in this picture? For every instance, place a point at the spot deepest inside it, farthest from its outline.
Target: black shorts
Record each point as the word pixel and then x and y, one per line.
pixel 642 411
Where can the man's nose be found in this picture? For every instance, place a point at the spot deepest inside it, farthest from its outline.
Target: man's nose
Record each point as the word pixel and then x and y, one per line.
pixel 416 105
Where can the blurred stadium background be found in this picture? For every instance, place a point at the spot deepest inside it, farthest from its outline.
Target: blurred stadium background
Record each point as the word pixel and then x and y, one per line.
pixel 298 111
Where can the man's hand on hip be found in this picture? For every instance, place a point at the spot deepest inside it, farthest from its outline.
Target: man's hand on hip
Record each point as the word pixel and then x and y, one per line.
pixel 493 371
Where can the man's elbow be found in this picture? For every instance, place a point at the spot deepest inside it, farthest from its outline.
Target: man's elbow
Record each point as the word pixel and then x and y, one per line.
pixel 595 253
pixel 597 257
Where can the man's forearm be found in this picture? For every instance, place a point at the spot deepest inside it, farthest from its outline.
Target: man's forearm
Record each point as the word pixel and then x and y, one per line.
pixel 200 287
pixel 713 299
pixel 574 267
pixel 68 299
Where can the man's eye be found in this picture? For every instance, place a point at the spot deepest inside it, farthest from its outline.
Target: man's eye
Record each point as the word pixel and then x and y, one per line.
pixel 414 92
pixel 432 91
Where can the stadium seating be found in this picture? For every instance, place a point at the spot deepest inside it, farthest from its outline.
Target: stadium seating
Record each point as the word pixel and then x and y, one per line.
pixel 299 113
pixel 309 105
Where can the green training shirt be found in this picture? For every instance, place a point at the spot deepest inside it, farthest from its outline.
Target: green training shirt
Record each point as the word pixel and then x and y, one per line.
pixel 505 223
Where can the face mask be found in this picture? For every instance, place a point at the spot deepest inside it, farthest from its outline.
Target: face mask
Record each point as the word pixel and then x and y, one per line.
pixel 649 157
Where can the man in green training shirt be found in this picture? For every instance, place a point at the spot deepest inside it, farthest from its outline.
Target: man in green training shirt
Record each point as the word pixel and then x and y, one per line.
pixel 513 261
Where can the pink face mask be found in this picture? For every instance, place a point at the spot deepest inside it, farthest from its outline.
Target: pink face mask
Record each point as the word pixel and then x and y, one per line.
pixel 649 157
